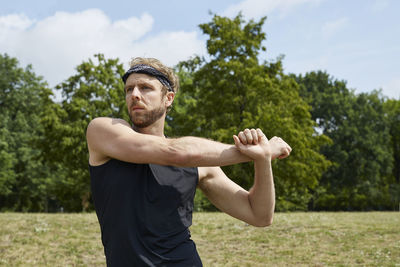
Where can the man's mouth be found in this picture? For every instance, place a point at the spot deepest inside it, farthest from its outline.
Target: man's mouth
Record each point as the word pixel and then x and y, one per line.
pixel 137 107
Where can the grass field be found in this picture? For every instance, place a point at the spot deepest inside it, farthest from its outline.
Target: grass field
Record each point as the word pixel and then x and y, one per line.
pixel 295 239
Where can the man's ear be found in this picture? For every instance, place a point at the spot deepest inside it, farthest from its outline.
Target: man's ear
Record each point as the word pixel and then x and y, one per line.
pixel 170 96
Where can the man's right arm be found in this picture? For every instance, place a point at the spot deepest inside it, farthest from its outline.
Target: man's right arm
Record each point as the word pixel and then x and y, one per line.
pixel 114 138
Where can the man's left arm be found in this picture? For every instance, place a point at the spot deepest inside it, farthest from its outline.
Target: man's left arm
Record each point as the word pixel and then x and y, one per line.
pixel 255 206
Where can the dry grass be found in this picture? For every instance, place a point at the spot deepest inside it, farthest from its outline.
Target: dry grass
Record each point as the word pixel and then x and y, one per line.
pixel 50 240
pixel 301 239
pixel 295 239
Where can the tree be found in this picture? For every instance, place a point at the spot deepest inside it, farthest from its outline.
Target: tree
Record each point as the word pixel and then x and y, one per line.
pixel 23 177
pixel 358 128
pixel 7 161
pixel 231 90
pixel 392 111
pixel 95 90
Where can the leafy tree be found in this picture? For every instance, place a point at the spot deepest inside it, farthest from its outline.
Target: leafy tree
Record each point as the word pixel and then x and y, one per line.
pixel 358 128
pixel 230 90
pixel 7 161
pixel 392 110
pixel 95 90
pixel 23 177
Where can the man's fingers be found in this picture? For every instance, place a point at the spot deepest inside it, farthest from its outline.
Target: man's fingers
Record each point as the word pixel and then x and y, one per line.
pixel 260 135
pixel 242 138
pixel 284 155
pixel 238 143
pixel 249 136
pixel 285 152
pixel 236 140
pixel 254 135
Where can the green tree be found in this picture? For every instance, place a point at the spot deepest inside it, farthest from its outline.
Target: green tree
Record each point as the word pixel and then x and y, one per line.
pixel 23 177
pixel 358 128
pixel 392 110
pixel 230 90
pixel 7 161
pixel 95 90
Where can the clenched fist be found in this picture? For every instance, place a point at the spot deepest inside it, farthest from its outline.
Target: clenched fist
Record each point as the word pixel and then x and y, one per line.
pixel 256 145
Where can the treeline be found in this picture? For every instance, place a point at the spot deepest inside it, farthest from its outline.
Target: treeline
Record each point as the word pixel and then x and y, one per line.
pixel 346 146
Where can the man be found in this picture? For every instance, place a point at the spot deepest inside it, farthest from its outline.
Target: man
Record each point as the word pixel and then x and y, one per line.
pixel 143 183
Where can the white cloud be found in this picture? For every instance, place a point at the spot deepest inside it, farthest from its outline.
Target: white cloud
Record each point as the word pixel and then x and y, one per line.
pixel 170 47
pixel 15 21
pixel 57 44
pixel 392 89
pixel 259 8
pixel 330 28
pixel 10 27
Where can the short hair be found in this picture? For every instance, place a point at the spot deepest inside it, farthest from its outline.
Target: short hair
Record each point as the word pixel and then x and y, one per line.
pixel 155 63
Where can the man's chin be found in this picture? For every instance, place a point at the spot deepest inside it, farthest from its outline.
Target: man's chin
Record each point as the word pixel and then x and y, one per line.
pixel 140 125
pixel 144 120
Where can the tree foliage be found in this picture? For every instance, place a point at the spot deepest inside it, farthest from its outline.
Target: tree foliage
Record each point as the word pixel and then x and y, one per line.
pixel 392 111
pixel 96 90
pixel 230 90
pixel 358 127
pixel 23 177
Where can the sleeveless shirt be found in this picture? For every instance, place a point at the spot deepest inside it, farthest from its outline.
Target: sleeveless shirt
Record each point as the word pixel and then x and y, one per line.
pixel 145 211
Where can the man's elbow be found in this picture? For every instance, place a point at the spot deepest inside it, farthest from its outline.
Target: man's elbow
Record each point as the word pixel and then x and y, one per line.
pixel 265 222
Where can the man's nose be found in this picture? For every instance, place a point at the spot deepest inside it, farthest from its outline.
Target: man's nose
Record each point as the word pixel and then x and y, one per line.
pixel 136 93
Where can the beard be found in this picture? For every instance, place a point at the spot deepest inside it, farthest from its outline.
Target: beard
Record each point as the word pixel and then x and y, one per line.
pixel 146 118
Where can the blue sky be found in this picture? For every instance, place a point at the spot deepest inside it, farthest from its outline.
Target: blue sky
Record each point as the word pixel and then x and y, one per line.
pixel 357 41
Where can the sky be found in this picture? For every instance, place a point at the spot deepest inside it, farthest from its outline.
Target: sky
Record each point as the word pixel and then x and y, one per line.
pixel 357 41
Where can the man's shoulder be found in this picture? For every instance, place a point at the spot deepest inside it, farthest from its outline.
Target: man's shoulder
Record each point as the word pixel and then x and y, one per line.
pixel 102 121
pixel 100 133
pixel 104 126
pixel 105 122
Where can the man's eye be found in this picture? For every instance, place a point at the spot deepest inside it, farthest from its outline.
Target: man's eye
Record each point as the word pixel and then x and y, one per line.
pixel 129 89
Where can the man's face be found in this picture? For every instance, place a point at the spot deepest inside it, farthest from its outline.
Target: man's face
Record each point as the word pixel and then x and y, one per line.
pixel 145 100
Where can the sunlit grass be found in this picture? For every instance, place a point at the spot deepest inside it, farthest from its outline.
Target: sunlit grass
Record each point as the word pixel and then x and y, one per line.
pixel 295 239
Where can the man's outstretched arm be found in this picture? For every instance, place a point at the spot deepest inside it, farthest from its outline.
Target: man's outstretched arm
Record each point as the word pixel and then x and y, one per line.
pixel 255 206
pixel 114 138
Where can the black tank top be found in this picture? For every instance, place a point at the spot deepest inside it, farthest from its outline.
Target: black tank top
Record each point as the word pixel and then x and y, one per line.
pixel 144 211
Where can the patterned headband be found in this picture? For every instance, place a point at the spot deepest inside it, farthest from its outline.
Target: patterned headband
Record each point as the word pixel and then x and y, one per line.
pixel 146 69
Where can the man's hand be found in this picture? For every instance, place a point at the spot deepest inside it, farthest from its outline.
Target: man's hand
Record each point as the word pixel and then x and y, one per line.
pixel 254 144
